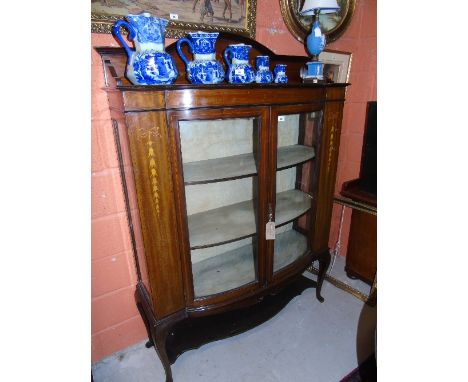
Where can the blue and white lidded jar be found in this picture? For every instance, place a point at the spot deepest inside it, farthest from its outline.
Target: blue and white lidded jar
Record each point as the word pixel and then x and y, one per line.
pixel 264 74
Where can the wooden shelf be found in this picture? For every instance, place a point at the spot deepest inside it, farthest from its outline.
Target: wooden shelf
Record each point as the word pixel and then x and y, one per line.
pixel 236 268
pixel 289 246
pixel 238 166
pixel 229 270
pixel 290 155
pixel 236 221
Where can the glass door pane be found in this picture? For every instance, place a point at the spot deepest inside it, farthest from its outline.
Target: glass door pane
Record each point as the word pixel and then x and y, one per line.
pixel 295 159
pixel 220 165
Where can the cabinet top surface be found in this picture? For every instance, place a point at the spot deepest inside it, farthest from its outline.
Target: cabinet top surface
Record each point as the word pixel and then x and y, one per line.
pixel 149 88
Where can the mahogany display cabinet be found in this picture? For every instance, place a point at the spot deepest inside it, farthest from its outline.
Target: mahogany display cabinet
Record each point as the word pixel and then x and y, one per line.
pixel 235 188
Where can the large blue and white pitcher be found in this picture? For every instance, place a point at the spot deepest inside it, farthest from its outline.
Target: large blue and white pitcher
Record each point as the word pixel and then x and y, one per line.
pixel 148 64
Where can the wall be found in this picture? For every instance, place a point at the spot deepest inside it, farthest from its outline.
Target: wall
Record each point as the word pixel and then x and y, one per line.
pixel 116 323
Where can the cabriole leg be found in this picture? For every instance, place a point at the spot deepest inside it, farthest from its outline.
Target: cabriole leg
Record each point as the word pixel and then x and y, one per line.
pixel 324 263
pixel 160 336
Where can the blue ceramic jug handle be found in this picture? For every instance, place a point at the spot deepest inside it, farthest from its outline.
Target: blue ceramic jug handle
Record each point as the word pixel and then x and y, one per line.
pixel 182 56
pixel 225 55
pixel 131 34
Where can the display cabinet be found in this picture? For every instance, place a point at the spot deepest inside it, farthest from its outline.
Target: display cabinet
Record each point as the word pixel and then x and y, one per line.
pixel 234 186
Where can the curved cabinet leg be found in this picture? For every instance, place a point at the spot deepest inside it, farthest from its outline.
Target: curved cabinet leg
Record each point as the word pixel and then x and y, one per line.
pixel 157 330
pixel 160 336
pixel 324 263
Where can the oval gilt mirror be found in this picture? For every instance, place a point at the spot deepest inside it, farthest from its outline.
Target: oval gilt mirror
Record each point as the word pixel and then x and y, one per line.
pixel 333 24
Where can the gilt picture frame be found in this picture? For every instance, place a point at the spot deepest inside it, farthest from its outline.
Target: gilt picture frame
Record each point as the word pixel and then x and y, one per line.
pixel 336 65
pixel 234 16
pixel 333 24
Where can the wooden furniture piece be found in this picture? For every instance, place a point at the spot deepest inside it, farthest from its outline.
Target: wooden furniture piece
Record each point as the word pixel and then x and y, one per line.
pixel 361 257
pixel 220 171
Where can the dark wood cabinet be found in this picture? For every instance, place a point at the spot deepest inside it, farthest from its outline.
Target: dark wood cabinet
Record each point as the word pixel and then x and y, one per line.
pixel 235 187
pixel 361 257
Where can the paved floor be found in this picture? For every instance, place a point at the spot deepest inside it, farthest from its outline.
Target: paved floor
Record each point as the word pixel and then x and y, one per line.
pixel 306 341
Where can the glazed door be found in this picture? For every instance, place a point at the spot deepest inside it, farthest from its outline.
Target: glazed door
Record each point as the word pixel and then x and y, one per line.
pixel 294 140
pixel 222 171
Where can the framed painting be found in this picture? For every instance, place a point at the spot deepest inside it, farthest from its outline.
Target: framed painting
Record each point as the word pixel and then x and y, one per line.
pixel 234 16
pixel 336 66
pixel 333 24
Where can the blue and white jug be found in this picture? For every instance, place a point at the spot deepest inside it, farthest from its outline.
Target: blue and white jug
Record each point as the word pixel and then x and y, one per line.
pixel 264 74
pixel 239 69
pixel 148 64
pixel 280 74
pixel 204 69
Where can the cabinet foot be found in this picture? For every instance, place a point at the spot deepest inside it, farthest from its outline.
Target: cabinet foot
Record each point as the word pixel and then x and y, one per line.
pixel 157 330
pixel 149 344
pixel 324 262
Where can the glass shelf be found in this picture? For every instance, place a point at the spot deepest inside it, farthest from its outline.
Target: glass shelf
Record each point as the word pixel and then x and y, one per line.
pixel 236 166
pixel 229 223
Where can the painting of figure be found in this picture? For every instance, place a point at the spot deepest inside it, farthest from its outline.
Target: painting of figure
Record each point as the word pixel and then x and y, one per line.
pixel 229 13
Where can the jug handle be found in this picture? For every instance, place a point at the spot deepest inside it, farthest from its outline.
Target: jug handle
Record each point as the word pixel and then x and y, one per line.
pixel 182 56
pixel 225 55
pixel 131 34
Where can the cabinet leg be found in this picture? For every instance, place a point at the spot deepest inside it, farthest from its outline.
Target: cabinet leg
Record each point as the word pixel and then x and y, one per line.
pixel 149 344
pixel 324 263
pixel 157 332
pixel 160 342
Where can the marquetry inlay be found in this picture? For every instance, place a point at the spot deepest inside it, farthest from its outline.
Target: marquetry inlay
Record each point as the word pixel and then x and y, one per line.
pixel 154 178
pixel 333 121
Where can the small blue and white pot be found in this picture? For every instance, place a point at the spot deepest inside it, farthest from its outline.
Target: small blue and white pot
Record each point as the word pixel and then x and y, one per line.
pixel 280 74
pixel 239 70
pixel 204 69
pixel 148 64
pixel 264 74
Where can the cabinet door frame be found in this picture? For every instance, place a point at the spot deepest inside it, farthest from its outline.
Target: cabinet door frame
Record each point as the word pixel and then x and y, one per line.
pixel 217 301
pixel 303 262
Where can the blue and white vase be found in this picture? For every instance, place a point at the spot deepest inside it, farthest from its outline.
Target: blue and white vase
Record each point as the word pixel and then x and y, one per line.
pixel 148 64
pixel 264 74
pixel 316 40
pixel 204 69
pixel 280 74
pixel 239 70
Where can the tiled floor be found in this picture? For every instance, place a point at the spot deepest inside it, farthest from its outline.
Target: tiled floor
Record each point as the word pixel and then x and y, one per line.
pixel 306 341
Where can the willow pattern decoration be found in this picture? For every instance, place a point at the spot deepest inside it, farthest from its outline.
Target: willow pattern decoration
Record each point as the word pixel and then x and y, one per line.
pixel 333 24
pixel 234 16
